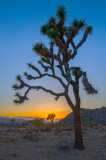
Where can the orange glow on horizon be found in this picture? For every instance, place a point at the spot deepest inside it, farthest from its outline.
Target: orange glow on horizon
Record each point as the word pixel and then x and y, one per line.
pixel 39 114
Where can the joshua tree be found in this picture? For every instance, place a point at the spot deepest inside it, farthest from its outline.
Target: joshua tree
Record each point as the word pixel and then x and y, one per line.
pixel 61 37
pixel 51 117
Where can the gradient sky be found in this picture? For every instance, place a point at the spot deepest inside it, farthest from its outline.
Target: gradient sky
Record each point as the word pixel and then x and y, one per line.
pixel 20 23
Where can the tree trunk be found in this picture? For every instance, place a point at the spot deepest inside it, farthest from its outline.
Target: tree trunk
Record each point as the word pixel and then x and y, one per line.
pixel 52 123
pixel 77 122
pixel 77 128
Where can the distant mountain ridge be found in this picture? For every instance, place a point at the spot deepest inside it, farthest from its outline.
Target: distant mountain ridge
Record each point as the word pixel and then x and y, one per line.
pixel 98 114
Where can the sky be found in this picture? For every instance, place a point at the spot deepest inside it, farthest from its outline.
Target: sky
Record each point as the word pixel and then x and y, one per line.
pixel 20 23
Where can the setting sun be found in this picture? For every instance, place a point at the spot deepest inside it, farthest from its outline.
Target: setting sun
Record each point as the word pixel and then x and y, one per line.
pixel 38 114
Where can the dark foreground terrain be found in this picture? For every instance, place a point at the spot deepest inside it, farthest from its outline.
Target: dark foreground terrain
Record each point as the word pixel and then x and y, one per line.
pixel 46 143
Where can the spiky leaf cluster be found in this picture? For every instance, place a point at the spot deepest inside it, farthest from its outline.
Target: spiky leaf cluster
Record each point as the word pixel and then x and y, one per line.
pixel 40 49
pixel 18 78
pixel 52 43
pixel 45 29
pixel 53 34
pixel 30 65
pixel 89 29
pixel 15 86
pixel 16 102
pixel 48 27
pixel 70 28
pixel 20 99
pixel 65 28
pixel 61 12
pixel 38 46
pixel 59 50
pixel 51 28
pixel 78 23
pixel 46 60
pixel 28 76
pixel 74 72
pixel 52 22
pixel 21 85
pixel 39 61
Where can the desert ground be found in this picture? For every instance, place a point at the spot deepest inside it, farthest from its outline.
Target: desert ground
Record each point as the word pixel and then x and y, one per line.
pixel 25 143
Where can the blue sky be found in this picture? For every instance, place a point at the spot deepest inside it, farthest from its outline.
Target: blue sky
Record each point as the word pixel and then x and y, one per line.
pixel 20 23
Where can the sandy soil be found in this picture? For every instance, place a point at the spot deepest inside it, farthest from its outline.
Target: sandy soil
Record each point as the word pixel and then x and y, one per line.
pixel 27 144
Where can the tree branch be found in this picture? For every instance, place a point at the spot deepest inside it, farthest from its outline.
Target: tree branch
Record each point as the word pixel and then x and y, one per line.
pixel 83 39
pixel 52 59
pixel 34 68
pixel 70 38
pixel 29 77
pixel 21 99
pixel 45 67
pixel 59 43
pixel 75 48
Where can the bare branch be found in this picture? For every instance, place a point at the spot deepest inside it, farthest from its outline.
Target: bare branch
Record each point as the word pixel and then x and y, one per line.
pixel 27 91
pixel 34 68
pixel 45 67
pixel 83 39
pixel 21 99
pixel 69 101
pixel 67 34
pixel 58 59
pixel 46 90
pixel 75 48
pixel 29 77
pixel 21 85
pixel 52 59
pixel 70 38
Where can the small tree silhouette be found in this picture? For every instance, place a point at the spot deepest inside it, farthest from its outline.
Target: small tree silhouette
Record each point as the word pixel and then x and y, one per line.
pixel 51 117
pixel 12 122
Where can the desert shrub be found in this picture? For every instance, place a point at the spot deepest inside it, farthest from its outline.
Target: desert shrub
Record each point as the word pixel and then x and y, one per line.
pixel 103 123
pixel 95 124
pixel 85 124
pixel 92 124
pixel 63 125
pixel 37 122
pixel 48 129
pixel 23 125
pixel 91 119
pixel 66 125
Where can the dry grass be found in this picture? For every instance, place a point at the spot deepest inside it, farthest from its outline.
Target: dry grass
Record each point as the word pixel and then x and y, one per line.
pixel 29 144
